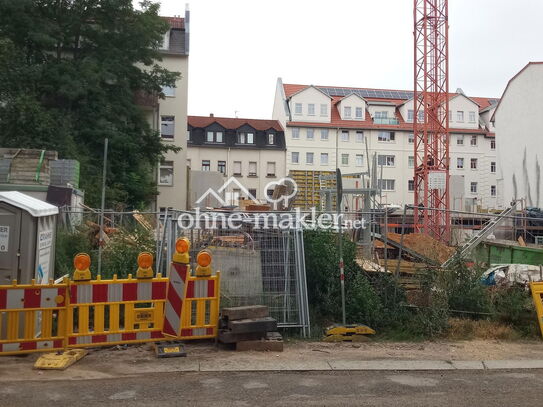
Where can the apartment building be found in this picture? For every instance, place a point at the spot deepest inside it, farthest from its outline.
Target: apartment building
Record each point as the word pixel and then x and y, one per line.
pixel 168 115
pixel 518 126
pixel 250 150
pixel 328 127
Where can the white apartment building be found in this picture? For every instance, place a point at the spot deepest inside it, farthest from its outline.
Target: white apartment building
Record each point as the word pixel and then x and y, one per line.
pixel 329 127
pixel 517 118
pixel 168 115
pixel 250 150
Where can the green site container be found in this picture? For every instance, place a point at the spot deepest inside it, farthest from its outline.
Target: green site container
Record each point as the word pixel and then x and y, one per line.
pixel 502 253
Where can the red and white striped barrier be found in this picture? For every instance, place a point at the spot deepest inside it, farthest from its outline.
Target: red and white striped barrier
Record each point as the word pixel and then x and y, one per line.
pixel 96 292
pixel 174 300
pixel 101 339
pixel 199 288
pixel 31 298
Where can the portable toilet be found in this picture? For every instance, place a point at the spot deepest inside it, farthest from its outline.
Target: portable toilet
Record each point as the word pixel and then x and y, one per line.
pixel 27 238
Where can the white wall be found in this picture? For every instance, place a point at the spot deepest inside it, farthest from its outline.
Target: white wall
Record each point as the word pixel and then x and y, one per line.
pixel 518 136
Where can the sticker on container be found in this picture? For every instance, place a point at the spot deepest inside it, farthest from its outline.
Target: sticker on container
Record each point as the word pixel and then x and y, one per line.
pixel 4 238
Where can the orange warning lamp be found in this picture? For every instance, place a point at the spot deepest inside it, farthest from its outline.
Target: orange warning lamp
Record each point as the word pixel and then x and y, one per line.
pixel 82 263
pixel 181 255
pixel 145 265
pixel 203 269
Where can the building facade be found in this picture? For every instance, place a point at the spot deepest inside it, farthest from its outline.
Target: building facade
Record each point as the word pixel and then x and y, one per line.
pixel 337 127
pixel 518 127
pixel 250 150
pixel 168 115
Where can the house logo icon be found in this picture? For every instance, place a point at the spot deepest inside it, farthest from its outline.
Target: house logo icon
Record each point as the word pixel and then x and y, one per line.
pixel 232 183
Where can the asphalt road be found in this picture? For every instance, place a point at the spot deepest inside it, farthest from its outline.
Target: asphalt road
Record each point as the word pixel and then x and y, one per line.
pixel 438 388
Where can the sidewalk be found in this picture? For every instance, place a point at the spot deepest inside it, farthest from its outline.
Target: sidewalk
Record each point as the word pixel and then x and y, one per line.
pixel 303 356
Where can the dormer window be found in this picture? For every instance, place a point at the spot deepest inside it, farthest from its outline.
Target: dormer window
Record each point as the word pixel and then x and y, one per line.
pixel 271 138
pixel 214 137
pixel 410 115
pixel 165 41
pixel 347 112
pixel 297 108
pixel 324 110
pixel 358 112
pixel 381 115
pixel 246 138
pixel 311 109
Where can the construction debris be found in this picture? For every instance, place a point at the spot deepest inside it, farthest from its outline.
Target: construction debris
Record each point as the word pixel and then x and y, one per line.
pixel 424 245
pixel 250 328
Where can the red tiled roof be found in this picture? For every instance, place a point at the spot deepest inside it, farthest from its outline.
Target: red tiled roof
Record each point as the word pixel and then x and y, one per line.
pixel 175 22
pixel 234 123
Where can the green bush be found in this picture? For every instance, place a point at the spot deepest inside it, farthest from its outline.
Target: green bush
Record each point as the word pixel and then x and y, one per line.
pixel 67 245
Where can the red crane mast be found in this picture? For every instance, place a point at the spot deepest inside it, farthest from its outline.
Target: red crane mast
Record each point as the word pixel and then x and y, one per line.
pixel 431 119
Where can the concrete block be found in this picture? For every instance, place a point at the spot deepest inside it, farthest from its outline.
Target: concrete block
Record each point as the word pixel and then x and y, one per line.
pixel 246 312
pixel 253 325
pixel 227 336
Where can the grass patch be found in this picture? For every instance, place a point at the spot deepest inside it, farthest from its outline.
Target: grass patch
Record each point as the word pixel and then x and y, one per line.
pixel 465 329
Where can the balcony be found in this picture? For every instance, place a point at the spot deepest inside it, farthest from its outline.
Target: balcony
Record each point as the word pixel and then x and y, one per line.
pixel 386 121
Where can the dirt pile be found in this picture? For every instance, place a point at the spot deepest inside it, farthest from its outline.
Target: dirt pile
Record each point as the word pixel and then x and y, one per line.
pixel 424 245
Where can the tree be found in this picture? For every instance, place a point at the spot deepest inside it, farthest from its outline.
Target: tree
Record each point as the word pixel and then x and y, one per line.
pixel 69 70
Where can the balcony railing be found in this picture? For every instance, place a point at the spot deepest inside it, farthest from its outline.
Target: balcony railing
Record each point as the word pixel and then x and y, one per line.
pixel 386 121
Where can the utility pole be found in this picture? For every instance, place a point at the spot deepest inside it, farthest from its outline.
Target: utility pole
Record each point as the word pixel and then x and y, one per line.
pixel 102 208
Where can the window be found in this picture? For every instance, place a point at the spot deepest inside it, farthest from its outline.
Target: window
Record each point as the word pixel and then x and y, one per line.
pixel 168 91
pixel 473 141
pixel 324 158
pixel 420 116
pixel 310 134
pixel 381 115
pixel 165 173
pixel 311 109
pixel 359 160
pixel 450 116
pixel 295 133
pixel 472 117
pixel 324 134
pixel 252 192
pixel 386 160
pixel 246 138
pixel 386 184
pixel 252 169
pixel 359 136
pixel 214 137
pixel 460 163
pixel 411 161
pixel 493 167
pixel 270 169
pixel 358 113
pixel 165 40
pixel 473 163
pixel 167 126
pixel 309 158
pixel 221 167
pixel 269 192
pixel 324 110
pixel 492 144
pixel 295 157
pixel 493 190
pixel 206 165
pixel 473 187
pixel 460 116
pixel 459 140
pixel 345 135
pixel 344 159
pixel 410 185
pixel 237 167
pixel 411 138
pixel 385 136
pixel 298 108
pixel 347 112
pixel 271 138
pixel 410 115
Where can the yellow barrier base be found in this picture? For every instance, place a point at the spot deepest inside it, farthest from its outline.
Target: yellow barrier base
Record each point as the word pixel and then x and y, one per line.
pixel 59 361
pixel 353 333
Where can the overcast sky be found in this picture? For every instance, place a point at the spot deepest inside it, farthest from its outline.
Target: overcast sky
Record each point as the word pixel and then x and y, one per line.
pixel 239 47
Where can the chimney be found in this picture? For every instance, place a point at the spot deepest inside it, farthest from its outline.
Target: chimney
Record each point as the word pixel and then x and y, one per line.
pixel 459 90
pixel 211 115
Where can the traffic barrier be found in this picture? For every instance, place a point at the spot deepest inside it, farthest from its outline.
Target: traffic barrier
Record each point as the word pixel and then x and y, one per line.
pixel 32 317
pixel 537 293
pixel 88 313
pixel 110 312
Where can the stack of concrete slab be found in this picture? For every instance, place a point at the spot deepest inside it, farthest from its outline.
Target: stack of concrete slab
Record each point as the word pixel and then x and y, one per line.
pixel 250 328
